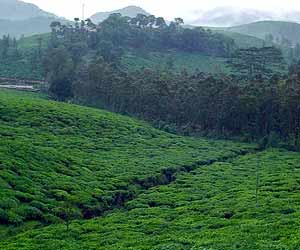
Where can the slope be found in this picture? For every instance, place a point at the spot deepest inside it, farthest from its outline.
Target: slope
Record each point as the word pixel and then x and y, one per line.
pixel 55 156
pixel 279 30
pixel 213 207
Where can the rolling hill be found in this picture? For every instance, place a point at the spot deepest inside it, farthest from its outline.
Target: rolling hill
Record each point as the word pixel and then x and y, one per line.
pixel 278 29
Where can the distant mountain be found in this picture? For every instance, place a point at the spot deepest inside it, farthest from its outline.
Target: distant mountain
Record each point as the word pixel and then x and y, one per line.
pixel 18 18
pixel 130 11
pixel 18 10
pixel 279 30
pixel 227 16
pixel 27 27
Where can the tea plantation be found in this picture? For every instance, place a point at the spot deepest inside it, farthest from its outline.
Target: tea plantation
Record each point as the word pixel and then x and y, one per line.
pixel 212 207
pixel 60 162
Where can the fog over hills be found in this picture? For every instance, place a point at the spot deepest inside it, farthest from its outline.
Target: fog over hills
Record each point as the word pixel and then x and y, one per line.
pixel 227 16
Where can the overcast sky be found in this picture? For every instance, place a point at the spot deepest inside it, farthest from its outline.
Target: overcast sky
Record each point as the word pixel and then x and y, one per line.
pixel 166 8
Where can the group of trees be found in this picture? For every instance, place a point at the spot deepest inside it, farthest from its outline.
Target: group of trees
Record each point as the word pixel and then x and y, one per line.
pixel 83 63
pixel 8 48
pixel 258 61
pixel 16 62
pixel 142 32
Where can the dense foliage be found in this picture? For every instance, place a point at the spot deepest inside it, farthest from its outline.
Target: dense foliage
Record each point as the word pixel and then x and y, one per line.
pixel 56 158
pixel 258 61
pixel 213 207
pixel 20 63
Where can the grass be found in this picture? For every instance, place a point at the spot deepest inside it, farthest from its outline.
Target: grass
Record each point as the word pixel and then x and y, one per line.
pixel 56 156
pixel 213 207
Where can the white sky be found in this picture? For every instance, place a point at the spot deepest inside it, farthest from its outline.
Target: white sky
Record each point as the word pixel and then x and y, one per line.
pixel 166 8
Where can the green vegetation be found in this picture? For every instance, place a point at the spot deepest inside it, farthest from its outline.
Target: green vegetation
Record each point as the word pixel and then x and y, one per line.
pixel 27 44
pixel 241 40
pixel 55 155
pixel 213 207
pixel 174 61
pixel 23 58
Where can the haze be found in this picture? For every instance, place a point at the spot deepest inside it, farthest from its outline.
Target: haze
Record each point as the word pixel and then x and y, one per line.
pixel 168 9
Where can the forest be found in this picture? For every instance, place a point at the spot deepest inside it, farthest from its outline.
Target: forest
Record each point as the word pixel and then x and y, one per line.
pixel 258 100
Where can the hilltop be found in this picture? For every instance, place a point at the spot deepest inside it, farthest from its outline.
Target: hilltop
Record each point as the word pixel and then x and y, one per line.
pixel 130 11
pixel 18 18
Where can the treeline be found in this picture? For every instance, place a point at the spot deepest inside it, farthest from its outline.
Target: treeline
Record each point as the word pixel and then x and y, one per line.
pixel 141 33
pixel 195 103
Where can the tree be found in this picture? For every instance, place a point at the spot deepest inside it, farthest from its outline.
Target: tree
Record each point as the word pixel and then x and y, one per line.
pixel 179 21
pixel 59 67
pixel 67 213
pixel 258 61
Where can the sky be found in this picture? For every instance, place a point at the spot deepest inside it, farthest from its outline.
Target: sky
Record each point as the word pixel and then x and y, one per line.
pixel 166 8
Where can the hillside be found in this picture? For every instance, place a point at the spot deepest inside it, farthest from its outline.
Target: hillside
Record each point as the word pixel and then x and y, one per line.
pixel 279 30
pixel 213 207
pixel 242 41
pixel 159 191
pixel 55 155
pixel 130 11
pixel 175 61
